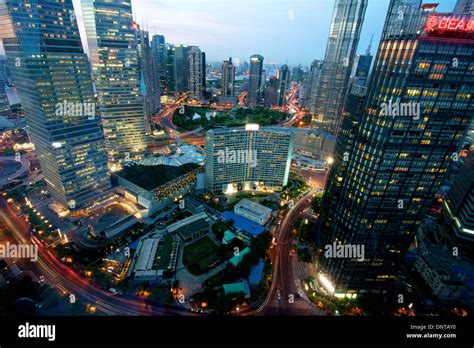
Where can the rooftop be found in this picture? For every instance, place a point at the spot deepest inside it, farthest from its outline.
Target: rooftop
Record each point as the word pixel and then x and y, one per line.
pixel 187 230
pixel 235 288
pixel 252 208
pixel 151 177
pixel 243 224
pixel 238 258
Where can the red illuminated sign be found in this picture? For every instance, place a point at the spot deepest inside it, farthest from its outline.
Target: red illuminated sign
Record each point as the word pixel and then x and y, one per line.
pixel 448 24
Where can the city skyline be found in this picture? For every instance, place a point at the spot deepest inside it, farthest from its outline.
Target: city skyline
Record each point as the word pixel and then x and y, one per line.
pixel 205 24
pixel 319 164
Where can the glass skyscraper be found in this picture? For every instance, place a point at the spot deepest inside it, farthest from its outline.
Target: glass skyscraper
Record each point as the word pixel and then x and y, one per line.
pixel 195 73
pixel 228 78
pixel 158 52
pixel 346 25
pixel 284 77
pixel 52 75
pixel 389 166
pixel 255 79
pixel 113 50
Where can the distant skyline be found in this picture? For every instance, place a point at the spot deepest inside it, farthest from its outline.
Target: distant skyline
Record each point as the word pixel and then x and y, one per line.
pixel 283 31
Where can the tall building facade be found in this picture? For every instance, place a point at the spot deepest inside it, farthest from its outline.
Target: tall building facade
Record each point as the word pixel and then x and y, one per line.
pixel 255 79
pixel 346 25
pixel 53 80
pixel 271 92
pixel 158 52
pixel 361 69
pixel 113 51
pixel 284 77
pixel 464 7
pixel 196 72
pixel 312 83
pixel 228 78
pixel 386 173
pixel 181 68
pixel 248 158
pixel 170 70
pixel 458 207
pixel 149 86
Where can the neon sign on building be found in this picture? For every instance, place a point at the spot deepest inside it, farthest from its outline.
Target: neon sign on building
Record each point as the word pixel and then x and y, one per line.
pixel 450 26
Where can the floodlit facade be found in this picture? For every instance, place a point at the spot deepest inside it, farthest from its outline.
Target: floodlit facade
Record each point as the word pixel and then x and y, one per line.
pixel 248 158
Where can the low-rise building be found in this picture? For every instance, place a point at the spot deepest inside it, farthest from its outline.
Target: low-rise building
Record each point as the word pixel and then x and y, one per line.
pixel 236 288
pixel 449 278
pixel 253 211
pixel 155 187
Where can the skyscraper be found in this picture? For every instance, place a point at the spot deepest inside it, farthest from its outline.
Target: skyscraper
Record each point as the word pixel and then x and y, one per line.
pixel 248 158
pixel 53 80
pixel 170 70
pixel 346 25
pixel 203 74
pixel 228 78
pixel 297 74
pixel 284 77
pixel 149 86
pixel 180 59
pixel 458 208
pixel 464 7
pixel 312 83
pixel 255 79
pixel 361 68
pixel 417 111
pixel 195 73
pixel 113 50
pixel 271 93
pixel 158 52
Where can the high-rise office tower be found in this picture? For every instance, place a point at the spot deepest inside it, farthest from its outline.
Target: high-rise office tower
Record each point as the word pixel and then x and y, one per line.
pixel 271 92
pixel 203 75
pixel 418 109
pixel 4 105
pixel 255 79
pixel 284 77
pixel 180 59
pixel 248 158
pixel 458 207
pixel 170 70
pixel 53 80
pixel 228 78
pixel 361 68
pixel 464 7
pixel 149 86
pixel 113 50
pixel 297 74
pixel 158 52
pixel 312 83
pixel 346 25
pixel 195 73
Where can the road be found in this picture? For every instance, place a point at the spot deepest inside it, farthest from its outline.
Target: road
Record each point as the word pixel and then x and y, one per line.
pixel 283 298
pixel 62 277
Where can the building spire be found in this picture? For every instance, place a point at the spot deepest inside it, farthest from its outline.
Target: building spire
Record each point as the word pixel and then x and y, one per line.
pixel 370 45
